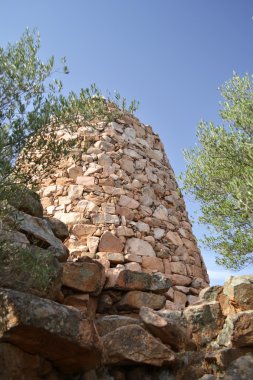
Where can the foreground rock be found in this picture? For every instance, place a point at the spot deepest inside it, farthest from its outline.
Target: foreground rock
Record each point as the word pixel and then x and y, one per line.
pixel 41 230
pixel 16 364
pixel 239 293
pixel 168 329
pixel 109 323
pixel 132 344
pixel 205 321
pixel 55 332
pixel 237 330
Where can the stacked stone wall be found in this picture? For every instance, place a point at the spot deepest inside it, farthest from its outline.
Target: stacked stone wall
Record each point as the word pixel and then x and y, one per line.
pixel 123 207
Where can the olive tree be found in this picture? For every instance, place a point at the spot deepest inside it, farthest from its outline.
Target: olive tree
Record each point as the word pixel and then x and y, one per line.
pixel 32 108
pixel 219 175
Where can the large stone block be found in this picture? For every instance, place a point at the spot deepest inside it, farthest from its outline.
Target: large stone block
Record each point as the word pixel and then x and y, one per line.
pixel 110 243
pixel 205 320
pixel 43 327
pixel 131 344
pixel 139 247
pixel 137 299
pixel 41 230
pixel 239 291
pixel 87 276
pixel 129 280
pixel 237 330
pixel 168 330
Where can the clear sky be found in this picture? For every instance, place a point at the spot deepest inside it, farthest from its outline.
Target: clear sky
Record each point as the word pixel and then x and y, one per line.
pixel 171 55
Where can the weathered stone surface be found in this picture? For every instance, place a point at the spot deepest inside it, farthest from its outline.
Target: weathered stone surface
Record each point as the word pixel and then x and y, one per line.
pixel 74 171
pixel 127 165
pixel 128 280
pixel 112 276
pixel 161 213
pixel 172 306
pixel 237 330
pixel 110 243
pixel 178 268
pixel 92 244
pixel 205 320
pixel 40 229
pixel 239 291
pixel 153 263
pixel 180 298
pixel 75 191
pixel 139 247
pixel 113 257
pixel 142 227
pixel 79 301
pixel 16 364
pixel 167 330
pixel 211 293
pixel 158 233
pixel 178 279
pixel 59 229
pixel 87 276
pixel 124 189
pixel 222 358
pixel 69 218
pixel 174 238
pixel 86 207
pixel 132 344
pixel 136 299
pixel 199 283
pixel 104 218
pixel 83 231
pixel 191 300
pixel 148 196
pixel 42 327
pixel 135 267
pixel 86 181
pixel 240 369
pixel 109 323
pixel 126 201
pixel 131 257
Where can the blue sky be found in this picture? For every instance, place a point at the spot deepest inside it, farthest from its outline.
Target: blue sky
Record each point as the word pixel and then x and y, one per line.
pixel 171 55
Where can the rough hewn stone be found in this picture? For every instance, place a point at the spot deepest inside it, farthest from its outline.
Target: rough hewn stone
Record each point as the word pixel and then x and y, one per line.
pixel 237 330
pixel 87 276
pixel 167 330
pixel 110 243
pixel 132 344
pixel 139 247
pixel 136 299
pixel 43 327
pixel 41 230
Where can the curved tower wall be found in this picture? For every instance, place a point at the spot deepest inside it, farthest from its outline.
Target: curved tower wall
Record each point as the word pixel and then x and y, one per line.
pixel 122 204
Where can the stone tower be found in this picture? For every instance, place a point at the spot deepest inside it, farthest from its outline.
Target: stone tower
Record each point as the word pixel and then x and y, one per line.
pixel 123 207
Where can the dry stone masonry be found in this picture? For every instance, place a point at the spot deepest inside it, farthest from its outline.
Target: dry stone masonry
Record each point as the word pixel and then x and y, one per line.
pixel 74 317
pixel 123 208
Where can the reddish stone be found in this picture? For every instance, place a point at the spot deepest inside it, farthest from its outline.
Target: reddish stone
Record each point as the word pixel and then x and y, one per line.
pixel 110 243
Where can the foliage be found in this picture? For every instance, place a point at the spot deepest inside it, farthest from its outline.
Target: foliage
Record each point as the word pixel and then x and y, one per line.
pixel 220 175
pixel 33 107
pixel 28 267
